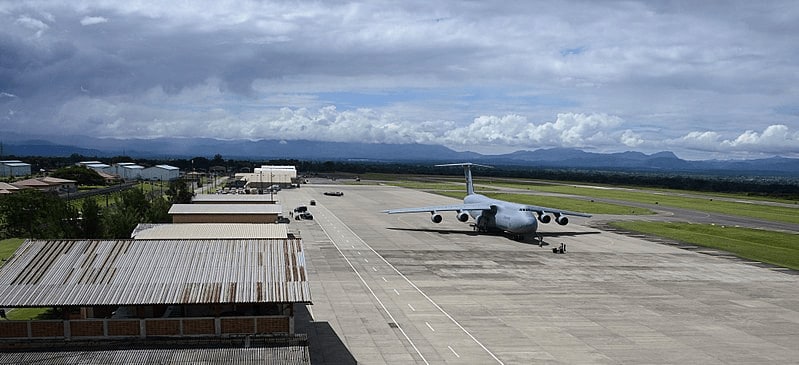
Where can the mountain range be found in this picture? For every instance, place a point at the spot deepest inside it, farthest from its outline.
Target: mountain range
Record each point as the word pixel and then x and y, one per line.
pixel 166 148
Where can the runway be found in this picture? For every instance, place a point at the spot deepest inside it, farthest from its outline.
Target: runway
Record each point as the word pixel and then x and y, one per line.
pixel 399 289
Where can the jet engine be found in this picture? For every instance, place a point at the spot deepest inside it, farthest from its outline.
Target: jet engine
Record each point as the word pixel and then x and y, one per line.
pixel 436 218
pixel 562 220
pixel 544 218
pixel 462 216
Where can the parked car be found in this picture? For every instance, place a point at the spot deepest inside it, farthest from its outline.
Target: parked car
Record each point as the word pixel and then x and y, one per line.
pixel 313 202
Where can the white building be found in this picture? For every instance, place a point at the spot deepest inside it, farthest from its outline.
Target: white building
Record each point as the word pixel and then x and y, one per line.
pixel 97 166
pixel 160 173
pixel 128 170
pixel 265 176
pixel 14 168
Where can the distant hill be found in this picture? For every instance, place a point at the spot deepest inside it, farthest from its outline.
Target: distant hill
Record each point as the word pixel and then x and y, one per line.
pixel 15 144
pixel 568 157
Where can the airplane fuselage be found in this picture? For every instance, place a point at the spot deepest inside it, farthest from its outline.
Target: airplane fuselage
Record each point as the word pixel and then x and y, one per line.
pixel 504 216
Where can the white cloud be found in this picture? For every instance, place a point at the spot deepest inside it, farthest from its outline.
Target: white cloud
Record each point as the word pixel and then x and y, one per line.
pixel 631 139
pixel 92 20
pixel 568 130
pixel 464 74
pixel 33 24
pixel 773 138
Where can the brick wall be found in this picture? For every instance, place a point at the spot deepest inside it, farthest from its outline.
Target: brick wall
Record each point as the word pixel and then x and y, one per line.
pixel 237 325
pixel 272 324
pixel 162 327
pixel 153 327
pixel 129 328
pixel 11 329
pixel 202 326
pixel 47 329
pixel 86 328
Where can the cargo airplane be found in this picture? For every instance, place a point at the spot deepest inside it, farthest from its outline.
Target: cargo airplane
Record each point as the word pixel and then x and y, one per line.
pixel 494 215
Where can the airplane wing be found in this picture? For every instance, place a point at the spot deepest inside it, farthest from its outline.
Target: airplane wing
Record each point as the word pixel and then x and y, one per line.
pixel 545 210
pixel 441 208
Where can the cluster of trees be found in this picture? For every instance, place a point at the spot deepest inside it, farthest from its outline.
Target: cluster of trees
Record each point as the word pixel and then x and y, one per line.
pixel 778 188
pixel 782 188
pixel 34 214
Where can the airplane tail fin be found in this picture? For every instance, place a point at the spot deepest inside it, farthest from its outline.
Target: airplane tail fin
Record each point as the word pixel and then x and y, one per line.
pixel 467 170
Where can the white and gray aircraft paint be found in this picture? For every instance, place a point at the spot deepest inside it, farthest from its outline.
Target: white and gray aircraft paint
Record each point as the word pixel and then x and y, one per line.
pixel 494 214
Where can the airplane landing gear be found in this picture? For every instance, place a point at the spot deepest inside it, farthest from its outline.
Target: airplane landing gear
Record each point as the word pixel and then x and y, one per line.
pixel 540 238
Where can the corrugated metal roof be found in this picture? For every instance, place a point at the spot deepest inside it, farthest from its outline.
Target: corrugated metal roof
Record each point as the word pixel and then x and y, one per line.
pixel 233 198
pixel 31 183
pixel 133 272
pixel 210 231
pixel 55 180
pixel 7 186
pixel 225 209
pixel 160 352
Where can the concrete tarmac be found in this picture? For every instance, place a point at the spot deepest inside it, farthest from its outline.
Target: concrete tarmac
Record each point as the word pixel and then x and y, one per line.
pixel 399 289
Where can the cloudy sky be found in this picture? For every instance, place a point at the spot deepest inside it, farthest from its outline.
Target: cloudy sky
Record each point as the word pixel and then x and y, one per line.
pixel 705 79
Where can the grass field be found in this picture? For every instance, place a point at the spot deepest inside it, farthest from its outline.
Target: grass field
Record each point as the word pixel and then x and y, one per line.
pixel 759 211
pixel 663 197
pixel 776 248
pixel 8 246
pixel 421 185
pixel 26 314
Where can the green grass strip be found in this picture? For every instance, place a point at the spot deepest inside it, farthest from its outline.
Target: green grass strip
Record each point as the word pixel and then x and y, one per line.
pixel 27 314
pixel 778 248
pixel 741 209
pixel 576 205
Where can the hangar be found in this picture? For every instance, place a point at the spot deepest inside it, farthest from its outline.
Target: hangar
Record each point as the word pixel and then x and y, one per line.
pixel 128 170
pixel 112 289
pixel 14 168
pixel 160 173
pixel 265 176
